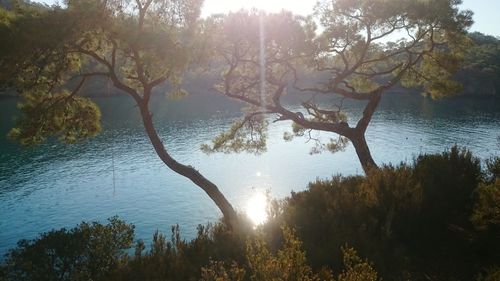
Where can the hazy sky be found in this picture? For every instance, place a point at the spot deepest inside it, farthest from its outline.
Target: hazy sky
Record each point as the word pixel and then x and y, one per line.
pixel 486 12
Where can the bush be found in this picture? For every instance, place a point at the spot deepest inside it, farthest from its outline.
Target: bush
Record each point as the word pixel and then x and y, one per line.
pixel 287 264
pixel 493 169
pixel 365 212
pixel 412 221
pixel 436 220
pixel 355 268
pixel 486 220
pixel 328 215
pixel 90 251
pixel 178 259
pixel 448 181
pixel 394 194
pixel 486 213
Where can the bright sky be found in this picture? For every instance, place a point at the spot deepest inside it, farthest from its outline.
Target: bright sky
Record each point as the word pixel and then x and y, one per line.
pixel 486 17
pixel 223 6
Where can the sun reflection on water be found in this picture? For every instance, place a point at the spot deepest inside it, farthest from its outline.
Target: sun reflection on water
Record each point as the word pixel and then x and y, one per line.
pixel 256 208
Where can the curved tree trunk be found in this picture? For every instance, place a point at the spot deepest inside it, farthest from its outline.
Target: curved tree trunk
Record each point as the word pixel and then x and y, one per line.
pixel 210 188
pixel 363 152
pixel 358 134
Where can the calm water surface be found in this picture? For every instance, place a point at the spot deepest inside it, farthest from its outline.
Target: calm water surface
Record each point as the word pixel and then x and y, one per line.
pixel 55 185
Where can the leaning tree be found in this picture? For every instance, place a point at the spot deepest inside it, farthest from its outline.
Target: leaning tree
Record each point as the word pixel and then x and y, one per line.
pixel 353 57
pixel 49 54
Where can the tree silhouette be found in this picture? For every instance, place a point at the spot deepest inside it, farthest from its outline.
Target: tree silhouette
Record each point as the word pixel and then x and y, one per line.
pixel 351 58
pixel 137 45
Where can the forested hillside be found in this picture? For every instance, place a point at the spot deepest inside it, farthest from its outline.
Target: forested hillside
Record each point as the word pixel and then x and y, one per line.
pixel 481 68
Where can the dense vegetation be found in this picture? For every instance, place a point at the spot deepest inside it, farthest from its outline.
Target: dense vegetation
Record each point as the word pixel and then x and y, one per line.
pixel 481 68
pixel 48 54
pixel 437 219
pixel 413 221
pixel 350 55
pixel 139 46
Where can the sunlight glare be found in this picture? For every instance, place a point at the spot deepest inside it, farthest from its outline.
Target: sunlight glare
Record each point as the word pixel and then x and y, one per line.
pixel 256 208
pixel 221 6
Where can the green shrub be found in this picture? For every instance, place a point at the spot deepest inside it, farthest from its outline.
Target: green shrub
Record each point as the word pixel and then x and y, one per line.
pixel 365 212
pixel 393 193
pixel 287 264
pixel 90 251
pixel 218 271
pixel 178 259
pixel 486 213
pixel 328 215
pixel 436 220
pixel 486 220
pixel 493 169
pixel 410 220
pixel 448 181
pixel 356 269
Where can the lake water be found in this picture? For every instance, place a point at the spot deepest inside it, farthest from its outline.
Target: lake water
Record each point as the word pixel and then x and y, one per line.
pixel 56 185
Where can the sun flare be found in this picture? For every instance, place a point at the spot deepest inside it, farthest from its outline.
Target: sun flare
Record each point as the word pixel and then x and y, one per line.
pixel 256 208
pixel 224 6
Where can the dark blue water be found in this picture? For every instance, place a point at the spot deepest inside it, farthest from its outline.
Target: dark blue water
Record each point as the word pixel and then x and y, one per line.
pixel 56 185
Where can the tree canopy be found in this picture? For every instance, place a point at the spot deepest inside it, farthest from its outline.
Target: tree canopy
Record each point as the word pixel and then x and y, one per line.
pixel 350 53
pixel 137 45
pixel 49 53
pixel 481 66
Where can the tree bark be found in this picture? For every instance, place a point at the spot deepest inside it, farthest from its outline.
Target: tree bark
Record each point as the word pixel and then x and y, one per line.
pixel 363 152
pixel 230 216
pixel 358 135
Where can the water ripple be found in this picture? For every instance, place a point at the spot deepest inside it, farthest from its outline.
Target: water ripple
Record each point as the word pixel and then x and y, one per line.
pixel 56 185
